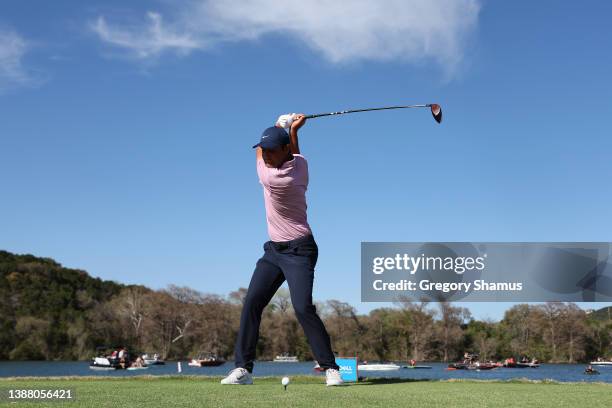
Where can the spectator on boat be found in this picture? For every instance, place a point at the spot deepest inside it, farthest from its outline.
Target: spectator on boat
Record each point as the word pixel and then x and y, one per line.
pixel 123 357
pixel 139 363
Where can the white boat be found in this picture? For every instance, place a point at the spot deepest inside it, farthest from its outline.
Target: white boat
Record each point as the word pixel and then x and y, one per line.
pixel 109 358
pixel 378 367
pixel 117 360
pixel 285 358
pixel 528 365
pixel 152 360
pixel 602 363
pixel 105 363
pixel 206 360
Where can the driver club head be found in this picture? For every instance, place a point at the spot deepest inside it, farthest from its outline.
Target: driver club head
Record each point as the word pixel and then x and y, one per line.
pixel 436 112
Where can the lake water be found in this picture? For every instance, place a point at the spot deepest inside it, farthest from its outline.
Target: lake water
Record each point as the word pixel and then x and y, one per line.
pixel 558 372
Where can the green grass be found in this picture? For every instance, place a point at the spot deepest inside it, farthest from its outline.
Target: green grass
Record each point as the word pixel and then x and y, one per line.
pixel 192 391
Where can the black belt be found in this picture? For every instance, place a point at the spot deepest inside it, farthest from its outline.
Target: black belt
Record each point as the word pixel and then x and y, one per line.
pixel 282 245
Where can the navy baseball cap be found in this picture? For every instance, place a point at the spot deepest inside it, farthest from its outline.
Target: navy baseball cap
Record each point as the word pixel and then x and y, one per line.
pixel 273 137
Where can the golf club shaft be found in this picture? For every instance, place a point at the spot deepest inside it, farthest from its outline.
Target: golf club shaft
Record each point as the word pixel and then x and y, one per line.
pixel 318 115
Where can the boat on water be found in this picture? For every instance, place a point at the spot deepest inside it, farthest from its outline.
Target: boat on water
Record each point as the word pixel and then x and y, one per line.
pixel 527 365
pixel 483 366
pixel 117 359
pixel 206 360
pixel 365 366
pixel 470 362
pixel 378 367
pixel 285 358
pixel 105 363
pixel 109 359
pixel 412 364
pixel 152 360
pixel 601 362
pixel 472 366
pixel 524 363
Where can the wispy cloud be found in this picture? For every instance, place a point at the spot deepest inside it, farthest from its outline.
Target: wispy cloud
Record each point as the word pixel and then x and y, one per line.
pixel 340 32
pixel 148 41
pixel 12 49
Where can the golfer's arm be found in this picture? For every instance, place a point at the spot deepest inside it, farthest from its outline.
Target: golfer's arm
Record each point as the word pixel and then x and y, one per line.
pixel 258 153
pixel 293 141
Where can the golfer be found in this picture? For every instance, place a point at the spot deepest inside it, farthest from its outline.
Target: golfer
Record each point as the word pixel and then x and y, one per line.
pixel 291 254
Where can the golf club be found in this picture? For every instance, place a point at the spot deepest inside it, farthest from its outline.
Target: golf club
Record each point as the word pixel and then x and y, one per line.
pixel 436 111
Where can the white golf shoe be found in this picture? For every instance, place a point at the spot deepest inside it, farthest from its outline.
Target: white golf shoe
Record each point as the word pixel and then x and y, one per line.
pixel 332 377
pixel 238 376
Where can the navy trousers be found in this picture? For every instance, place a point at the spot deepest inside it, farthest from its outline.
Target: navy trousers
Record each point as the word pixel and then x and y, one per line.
pixel 293 261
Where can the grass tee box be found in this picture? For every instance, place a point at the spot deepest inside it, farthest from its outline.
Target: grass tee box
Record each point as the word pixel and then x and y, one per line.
pixel 308 391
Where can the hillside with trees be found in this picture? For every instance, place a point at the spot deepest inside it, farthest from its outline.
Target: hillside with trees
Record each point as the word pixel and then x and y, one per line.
pixel 48 312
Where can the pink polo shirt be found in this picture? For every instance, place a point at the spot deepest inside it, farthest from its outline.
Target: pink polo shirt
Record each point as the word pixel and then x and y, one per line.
pixel 285 198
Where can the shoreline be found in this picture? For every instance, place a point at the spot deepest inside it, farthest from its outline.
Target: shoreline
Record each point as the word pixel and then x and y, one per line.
pixel 303 379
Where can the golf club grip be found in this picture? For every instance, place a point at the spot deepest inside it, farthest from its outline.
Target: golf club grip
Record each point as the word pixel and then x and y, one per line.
pixel 318 115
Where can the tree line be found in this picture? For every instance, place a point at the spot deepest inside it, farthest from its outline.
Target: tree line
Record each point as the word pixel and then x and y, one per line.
pixel 49 312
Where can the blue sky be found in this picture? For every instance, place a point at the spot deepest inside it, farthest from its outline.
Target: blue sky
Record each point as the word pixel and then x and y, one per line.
pixel 126 130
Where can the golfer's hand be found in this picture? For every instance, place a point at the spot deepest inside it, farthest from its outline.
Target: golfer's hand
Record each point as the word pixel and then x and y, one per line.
pixel 298 121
